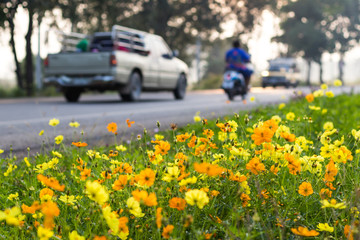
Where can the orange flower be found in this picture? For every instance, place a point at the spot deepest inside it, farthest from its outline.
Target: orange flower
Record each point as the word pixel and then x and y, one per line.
pixel 79 144
pixel 255 166
pixel 309 97
pixel 85 173
pixel 208 168
pixel 162 147
pixel 245 199
pixel 208 133
pixel 271 124
pixel 32 209
pixel 325 193
pixel 146 177
pixel 100 238
pixel 151 200
pixel 348 232
pixel 274 169
pixel 330 171
pixel 51 182
pixel 305 189
pixel 125 167
pixel 120 183
pixel 192 142
pixel 288 136
pixel 167 231
pixel 177 203
pixel 128 122
pixel 262 134
pixel 330 185
pixel 293 164
pixel 122 225
pixel 112 127
pixel 46 191
pixel 303 231
pixel 50 210
pixel 158 217
pixel 182 137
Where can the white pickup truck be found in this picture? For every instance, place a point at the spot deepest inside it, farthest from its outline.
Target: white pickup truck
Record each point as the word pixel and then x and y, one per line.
pixel 126 60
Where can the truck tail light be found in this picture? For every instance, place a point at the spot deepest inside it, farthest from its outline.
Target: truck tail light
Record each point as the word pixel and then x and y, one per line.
pixel 46 62
pixel 113 61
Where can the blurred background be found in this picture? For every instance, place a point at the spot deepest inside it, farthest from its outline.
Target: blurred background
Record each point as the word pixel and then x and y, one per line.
pixel 321 35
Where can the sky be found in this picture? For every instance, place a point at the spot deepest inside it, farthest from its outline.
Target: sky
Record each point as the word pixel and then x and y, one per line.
pixel 260 47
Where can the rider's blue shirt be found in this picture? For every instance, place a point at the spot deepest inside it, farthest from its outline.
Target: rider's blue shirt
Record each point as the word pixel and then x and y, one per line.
pixel 236 59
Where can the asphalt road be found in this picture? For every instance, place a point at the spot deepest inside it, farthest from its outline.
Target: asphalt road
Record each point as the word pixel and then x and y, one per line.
pixel 21 120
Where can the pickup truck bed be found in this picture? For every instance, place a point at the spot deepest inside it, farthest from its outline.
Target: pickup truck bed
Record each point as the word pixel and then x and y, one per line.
pixel 134 61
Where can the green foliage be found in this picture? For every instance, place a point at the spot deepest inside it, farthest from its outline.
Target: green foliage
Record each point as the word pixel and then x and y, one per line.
pixel 212 81
pixel 242 203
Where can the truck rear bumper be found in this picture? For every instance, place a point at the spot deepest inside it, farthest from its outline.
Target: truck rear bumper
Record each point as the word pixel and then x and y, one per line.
pixel 66 81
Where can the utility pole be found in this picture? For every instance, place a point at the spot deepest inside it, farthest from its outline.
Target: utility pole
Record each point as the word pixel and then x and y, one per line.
pixel 198 52
pixel 38 72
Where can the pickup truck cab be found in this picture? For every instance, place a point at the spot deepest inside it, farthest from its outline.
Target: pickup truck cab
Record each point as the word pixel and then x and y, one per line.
pixel 126 60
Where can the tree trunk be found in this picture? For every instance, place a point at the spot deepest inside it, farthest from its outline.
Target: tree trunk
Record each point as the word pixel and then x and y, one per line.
pixel 341 68
pixel 29 57
pixel 321 72
pixel 12 43
pixel 308 73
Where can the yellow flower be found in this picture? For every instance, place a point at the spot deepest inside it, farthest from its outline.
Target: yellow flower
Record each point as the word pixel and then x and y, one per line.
pixel 44 233
pixel 59 139
pixel 10 169
pixel 328 126
pixel 187 181
pixel 158 137
pixel 276 118
pixel 1 151
pixel 282 105
pixel 75 236
pixel 315 108
pixel 324 86
pixel 197 118
pixel 324 111
pixel 41 133
pixel 337 83
pixel 290 116
pixel 53 122
pixel 329 94
pixel 13 196
pixel 121 148
pixel 68 199
pixel 74 124
pixel 172 174
pixel 111 219
pixel 12 216
pixel 134 207
pixel 318 93
pixel 324 227
pixel 332 204
pixel 252 99
pixel 96 192
pixel 27 162
pixel 196 197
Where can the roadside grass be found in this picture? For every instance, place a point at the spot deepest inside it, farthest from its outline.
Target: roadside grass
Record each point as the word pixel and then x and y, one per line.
pixel 278 172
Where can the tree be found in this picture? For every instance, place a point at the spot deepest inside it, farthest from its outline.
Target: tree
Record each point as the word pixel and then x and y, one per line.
pixel 343 24
pixel 304 31
pixel 7 14
pixel 35 8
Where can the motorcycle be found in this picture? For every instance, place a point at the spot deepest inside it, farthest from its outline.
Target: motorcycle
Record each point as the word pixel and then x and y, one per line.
pixel 234 84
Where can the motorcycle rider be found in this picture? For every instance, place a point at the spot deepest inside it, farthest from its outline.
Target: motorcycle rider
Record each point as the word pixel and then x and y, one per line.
pixel 236 59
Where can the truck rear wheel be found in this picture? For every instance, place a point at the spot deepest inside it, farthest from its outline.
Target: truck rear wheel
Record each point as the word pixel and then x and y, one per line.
pixel 134 88
pixel 72 94
pixel 180 90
